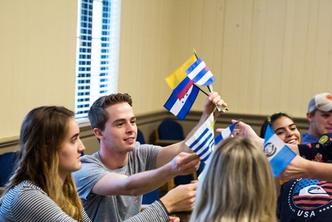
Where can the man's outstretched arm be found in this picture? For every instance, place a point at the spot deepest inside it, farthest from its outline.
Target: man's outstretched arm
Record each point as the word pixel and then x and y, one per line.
pixel 302 168
pixel 299 167
pixel 140 183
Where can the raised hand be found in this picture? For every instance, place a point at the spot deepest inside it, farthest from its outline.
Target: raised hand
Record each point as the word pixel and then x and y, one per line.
pixel 180 198
pixel 212 101
pixel 246 131
pixel 173 219
pixel 184 163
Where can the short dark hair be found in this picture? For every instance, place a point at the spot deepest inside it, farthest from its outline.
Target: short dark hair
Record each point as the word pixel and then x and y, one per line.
pixel 97 114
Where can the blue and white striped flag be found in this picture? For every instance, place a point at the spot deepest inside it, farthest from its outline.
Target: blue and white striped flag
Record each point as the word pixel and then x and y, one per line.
pixel 277 152
pixel 200 74
pixel 224 134
pixel 202 141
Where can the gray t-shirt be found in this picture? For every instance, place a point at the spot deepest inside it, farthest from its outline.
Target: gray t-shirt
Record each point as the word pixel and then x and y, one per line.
pixel 117 208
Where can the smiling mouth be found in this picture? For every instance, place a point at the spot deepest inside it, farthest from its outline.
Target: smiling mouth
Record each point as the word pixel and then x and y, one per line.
pixel 292 141
pixel 130 139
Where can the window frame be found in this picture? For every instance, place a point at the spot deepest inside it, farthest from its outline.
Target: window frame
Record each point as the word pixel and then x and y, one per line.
pixel 97 52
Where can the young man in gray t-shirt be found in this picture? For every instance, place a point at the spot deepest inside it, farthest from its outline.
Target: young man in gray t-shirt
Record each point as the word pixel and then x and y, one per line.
pixel 112 180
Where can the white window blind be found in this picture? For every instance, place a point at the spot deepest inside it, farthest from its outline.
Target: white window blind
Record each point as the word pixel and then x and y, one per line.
pixel 97 56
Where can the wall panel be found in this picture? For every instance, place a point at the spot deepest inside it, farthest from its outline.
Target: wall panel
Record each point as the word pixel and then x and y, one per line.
pixel 37 58
pixel 267 55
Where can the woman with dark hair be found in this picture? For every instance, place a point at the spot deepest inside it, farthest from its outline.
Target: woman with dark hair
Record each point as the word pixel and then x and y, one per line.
pixel 306 196
pixel 42 188
pixel 284 127
pixel 303 199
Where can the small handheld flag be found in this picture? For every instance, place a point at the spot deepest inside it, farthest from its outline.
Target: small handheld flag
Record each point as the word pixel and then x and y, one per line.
pixel 200 73
pixel 182 98
pixel 180 73
pixel 203 139
pixel 277 152
pixel 224 134
pixel 185 81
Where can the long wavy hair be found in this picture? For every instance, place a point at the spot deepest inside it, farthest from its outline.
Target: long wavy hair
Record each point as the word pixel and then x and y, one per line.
pixel 42 133
pixel 238 185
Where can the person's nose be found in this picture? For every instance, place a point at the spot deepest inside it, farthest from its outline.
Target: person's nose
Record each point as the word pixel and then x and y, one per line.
pixel 130 127
pixel 329 120
pixel 81 146
pixel 289 133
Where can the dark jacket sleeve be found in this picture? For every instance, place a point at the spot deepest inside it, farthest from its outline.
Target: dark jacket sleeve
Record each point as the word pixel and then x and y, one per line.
pixel 321 151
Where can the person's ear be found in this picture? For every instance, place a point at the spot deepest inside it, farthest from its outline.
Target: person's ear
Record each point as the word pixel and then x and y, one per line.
pixel 310 116
pixel 98 133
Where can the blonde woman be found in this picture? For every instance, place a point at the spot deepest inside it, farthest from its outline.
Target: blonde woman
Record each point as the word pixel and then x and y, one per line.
pixel 238 185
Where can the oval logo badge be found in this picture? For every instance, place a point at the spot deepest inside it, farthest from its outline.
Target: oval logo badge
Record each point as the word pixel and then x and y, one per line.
pixel 323 139
pixel 269 149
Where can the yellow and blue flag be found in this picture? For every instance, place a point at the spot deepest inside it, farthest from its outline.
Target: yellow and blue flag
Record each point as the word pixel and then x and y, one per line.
pixel 194 68
pixel 180 73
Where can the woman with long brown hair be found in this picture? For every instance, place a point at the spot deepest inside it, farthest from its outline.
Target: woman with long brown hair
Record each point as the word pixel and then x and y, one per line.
pixel 42 188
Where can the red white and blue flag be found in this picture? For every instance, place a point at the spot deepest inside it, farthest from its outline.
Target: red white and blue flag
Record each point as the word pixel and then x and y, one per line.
pixel 182 98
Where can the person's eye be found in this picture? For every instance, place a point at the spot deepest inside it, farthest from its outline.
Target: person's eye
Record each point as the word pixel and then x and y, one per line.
pixel 133 121
pixel 119 124
pixel 279 132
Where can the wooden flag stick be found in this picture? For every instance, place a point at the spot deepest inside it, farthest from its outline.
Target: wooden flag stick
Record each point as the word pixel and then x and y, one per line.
pixel 202 90
pixel 195 53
